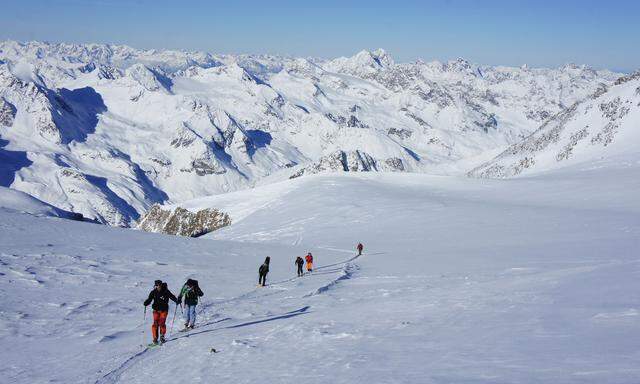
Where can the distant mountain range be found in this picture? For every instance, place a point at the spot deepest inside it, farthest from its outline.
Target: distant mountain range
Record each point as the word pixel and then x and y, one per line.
pixel 107 131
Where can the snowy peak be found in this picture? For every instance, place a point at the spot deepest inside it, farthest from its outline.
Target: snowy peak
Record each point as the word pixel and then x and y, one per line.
pixel 459 65
pixel 363 64
pixel 151 80
pixel 378 58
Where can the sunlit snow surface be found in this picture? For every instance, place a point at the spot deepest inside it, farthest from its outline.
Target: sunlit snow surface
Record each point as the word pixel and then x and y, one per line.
pixel 529 280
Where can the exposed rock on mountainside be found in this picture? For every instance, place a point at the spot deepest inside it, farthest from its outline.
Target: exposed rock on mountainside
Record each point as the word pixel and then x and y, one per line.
pixel 351 161
pixel 182 222
pixel 7 113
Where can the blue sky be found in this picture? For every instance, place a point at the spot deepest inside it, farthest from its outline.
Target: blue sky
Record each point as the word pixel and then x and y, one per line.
pixel 603 34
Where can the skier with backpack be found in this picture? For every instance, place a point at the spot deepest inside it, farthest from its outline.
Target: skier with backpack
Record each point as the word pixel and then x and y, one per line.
pixel 309 260
pixel 160 296
pixel 262 272
pixel 360 247
pixel 299 263
pixel 190 291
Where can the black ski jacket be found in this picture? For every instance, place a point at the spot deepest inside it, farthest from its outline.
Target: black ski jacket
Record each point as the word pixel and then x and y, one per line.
pixel 264 269
pixel 299 261
pixel 190 294
pixel 160 299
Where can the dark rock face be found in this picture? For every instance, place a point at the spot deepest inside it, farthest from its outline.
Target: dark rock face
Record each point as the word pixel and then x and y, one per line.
pixel 7 113
pixel 182 222
pixel 394 164
pixel 401 133
pixel 351 161
pixel 340 161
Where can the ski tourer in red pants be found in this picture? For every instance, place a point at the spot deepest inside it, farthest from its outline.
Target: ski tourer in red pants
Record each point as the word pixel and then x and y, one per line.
pixel 309 260
pixel 160 296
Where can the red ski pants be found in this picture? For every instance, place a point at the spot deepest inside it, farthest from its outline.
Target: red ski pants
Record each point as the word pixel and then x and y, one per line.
pixel 159 320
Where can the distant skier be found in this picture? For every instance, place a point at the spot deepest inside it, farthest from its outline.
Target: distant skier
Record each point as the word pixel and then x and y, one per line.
pixel 309 260
pixel 190 291
pixel 160 296
pixel 360 247
pixel 262 272
pixel 299 263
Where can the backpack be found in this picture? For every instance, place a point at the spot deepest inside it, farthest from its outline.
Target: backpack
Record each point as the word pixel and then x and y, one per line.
pixel 190 292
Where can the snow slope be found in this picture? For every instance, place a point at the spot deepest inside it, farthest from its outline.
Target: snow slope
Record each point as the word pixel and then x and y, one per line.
pixel 16 201
pixel 524 280
pixel 606 125
pixel 108 131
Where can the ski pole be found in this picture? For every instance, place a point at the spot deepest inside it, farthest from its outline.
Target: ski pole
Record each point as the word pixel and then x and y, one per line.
pixel 174 319
pixel 144 320
pixel 204 311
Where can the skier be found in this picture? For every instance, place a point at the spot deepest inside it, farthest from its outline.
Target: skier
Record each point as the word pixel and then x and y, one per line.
pixel 360 248
pixel 262 272
pixel 299 262
pixel 160 296
pixel 309 259
pixel 190 291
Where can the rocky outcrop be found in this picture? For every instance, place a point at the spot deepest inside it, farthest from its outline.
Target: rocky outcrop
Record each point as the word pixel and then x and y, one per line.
pixel 400 133
pixel 340 161
pixel 182 222
pixel 351 161
pixel 7 113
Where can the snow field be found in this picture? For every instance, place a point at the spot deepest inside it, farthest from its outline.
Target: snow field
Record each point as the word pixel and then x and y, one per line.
pixel 530 280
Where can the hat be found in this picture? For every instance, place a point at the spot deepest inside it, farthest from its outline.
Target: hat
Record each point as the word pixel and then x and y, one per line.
pixel 157 283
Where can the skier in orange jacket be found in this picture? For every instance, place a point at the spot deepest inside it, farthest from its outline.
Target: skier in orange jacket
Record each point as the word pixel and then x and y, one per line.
pixel 309 260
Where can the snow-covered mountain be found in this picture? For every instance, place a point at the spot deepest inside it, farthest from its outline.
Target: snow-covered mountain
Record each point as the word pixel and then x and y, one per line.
pixel 607 124
pixel 107 131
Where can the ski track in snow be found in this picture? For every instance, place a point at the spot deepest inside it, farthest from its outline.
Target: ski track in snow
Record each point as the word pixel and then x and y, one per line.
pixel 347 271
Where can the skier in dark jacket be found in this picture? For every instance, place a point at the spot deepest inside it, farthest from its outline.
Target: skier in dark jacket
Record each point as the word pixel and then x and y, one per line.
pixel 360 247
pixel 190 291
pixel 262 272
pixel 299 263
pixel 160 296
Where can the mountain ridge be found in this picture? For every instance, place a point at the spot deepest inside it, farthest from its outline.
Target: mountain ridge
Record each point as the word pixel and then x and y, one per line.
pixel 108 130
